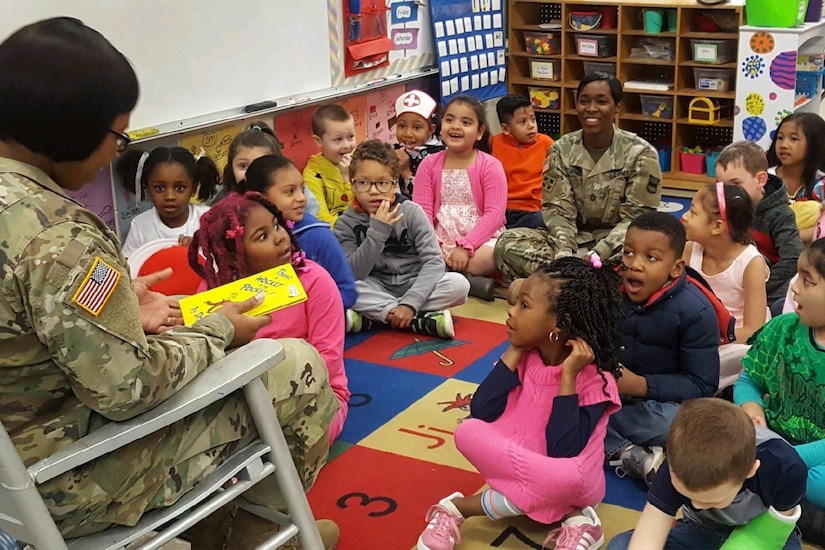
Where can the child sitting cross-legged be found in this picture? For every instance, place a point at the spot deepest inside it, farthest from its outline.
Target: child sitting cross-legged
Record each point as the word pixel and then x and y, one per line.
pixel 738 486
pixel 394 254
pixel 244 234
pixel 538 419
pixel 669 344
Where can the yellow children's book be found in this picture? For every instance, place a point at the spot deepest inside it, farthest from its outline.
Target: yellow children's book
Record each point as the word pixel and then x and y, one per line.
pixel 279 285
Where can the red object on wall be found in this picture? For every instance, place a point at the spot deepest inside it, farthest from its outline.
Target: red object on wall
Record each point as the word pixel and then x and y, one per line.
pixel 367 43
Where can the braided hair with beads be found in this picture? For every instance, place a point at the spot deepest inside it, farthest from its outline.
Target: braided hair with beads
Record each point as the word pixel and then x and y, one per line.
pixel 217 251
pixel 586 301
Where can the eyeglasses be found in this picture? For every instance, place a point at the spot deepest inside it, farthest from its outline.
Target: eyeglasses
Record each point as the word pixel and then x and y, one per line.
pixel 363 185
pixel 122 140
pixel 720 198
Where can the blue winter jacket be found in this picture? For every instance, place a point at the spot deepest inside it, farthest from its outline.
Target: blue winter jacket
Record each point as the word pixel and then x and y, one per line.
pixel 673 341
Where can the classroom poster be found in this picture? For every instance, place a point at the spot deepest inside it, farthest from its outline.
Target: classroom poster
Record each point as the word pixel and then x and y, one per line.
pixel 469 38
pixel 294 130
pixel 381 113
pixel 97 196
pixel 357 106
pixel 213 143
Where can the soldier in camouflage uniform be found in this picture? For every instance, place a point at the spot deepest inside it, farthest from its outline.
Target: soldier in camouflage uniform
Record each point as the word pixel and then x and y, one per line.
pixel 73 351
pixel 599 180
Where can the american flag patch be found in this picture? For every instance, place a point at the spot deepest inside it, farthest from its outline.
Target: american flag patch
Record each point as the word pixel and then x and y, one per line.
pixel 98 286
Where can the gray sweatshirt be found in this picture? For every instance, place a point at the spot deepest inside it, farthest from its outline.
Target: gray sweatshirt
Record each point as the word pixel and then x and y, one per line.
pixel 405 258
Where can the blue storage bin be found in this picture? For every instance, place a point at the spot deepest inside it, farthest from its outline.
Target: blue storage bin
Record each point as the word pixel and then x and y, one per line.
pixel 710 161
pixel 665 154
pixel 809 83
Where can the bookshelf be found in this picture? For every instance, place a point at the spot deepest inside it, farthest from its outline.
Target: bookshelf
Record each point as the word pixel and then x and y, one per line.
pixel 689 30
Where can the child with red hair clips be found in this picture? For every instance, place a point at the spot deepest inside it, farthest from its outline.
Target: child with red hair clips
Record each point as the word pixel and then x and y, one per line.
pixel 245 234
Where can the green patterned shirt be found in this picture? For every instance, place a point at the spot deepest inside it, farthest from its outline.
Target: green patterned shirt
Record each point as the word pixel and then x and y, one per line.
pixel 787 366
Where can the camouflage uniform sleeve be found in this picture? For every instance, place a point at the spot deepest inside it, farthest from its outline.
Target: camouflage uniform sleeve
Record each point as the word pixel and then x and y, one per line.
pixel 559 205
pixel 643 194
pixel 112 366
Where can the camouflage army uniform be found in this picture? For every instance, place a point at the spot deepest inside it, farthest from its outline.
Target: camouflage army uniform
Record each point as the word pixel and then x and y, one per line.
pixel 66 371
pixel 585 204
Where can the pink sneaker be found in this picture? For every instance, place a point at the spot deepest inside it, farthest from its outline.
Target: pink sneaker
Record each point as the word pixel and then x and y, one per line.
pixel 578 532
pixel 442 531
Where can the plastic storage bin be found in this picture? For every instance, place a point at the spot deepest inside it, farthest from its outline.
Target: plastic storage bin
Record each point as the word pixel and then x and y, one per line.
pixel 664 152
pixel 657 106
pixel 595 66
pixel 775 13
pixel 541 43
pixel 544 98
pixel 713 80
pixel 713 52
pixel 710 159
pixel 809 83
pixel 545 70
pixel 692 163
pixel 593 45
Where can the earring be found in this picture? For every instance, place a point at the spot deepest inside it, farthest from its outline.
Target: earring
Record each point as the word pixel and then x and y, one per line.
pixel 554 336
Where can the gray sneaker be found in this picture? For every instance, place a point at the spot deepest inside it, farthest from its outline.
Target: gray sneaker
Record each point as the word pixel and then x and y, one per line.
pixel 639 462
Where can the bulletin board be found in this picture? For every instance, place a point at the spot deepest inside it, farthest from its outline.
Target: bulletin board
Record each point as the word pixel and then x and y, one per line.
pixel 469 37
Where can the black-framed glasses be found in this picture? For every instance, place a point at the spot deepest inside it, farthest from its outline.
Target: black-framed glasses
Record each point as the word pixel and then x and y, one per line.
pixel 363 185
pixel 123 140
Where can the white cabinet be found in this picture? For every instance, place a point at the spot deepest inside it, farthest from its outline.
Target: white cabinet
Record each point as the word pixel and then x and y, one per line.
pixel 767 78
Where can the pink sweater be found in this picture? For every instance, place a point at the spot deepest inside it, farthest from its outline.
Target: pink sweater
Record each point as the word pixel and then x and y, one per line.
pixel 320 321
pixel 511 451
pixel 488 184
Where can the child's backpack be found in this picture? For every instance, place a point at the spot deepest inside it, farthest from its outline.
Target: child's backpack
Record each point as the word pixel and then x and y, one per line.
pixel 723 316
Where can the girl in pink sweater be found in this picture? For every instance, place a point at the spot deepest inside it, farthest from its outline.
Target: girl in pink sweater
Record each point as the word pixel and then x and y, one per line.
pixel 539 418
pixel 463 189
pixel 245 234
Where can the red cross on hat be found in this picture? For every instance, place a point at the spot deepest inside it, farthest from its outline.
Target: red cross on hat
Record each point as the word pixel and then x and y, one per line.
pixel 412 100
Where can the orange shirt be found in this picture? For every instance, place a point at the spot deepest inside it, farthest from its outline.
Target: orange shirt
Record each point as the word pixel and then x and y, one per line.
pixel 524 166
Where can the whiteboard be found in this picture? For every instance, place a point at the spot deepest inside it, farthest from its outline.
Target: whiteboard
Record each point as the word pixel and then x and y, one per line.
pixel 194 57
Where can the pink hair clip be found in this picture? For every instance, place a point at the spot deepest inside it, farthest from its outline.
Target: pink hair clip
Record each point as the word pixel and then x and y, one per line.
pixel 595 260
pixel 232 233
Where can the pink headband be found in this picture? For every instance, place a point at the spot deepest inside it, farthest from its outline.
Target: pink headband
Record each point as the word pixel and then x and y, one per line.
pixel 720 198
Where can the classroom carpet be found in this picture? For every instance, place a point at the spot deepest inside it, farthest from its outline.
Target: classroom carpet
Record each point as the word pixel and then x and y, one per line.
pixel 396 456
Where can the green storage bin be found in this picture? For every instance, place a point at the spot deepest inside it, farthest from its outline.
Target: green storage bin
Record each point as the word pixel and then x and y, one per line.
pixel 773 13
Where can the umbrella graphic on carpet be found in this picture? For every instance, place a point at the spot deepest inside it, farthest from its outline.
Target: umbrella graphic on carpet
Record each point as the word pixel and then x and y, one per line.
pixel 420 347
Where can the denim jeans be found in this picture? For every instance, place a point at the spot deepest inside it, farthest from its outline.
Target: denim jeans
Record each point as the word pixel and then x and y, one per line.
pixel 639 422
pixel 523 218
pixel 688 535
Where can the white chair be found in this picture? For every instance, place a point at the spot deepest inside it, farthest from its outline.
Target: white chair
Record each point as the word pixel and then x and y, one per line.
pixel 24 515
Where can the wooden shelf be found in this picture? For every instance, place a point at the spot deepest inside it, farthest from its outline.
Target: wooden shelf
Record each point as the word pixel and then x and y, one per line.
pixel 724 123
pixel 535 82
pixel 645 118
pixel 731 65
pixel 535 55
pixel 611 59
pixel 693 92
pixel 550 111
pixel 525 15
pixel 712 35
pixel 643 61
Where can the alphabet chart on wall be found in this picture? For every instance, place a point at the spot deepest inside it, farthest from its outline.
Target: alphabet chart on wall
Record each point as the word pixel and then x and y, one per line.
pixel 469 37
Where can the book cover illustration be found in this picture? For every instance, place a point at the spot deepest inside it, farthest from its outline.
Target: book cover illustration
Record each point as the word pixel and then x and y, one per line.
pixel 280 286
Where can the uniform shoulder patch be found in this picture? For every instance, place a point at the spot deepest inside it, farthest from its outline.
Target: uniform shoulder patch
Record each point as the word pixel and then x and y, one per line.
pixel 652 184
pixel 97 287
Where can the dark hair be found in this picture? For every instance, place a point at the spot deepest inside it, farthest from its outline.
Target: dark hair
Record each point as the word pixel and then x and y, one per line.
pixel 260 171
pixel 259 134
pixel 220 237
pixel 738 210
pixel 509 104
pixel 711 442
pixel 813 127
pixel 613 83
pixel 203 172
pixel 484 143
pixel 666 224
pixel 586 304
pixel 322 114
pixel 816 255
pixel 377 150
pixel 746 154
pixel 63 85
